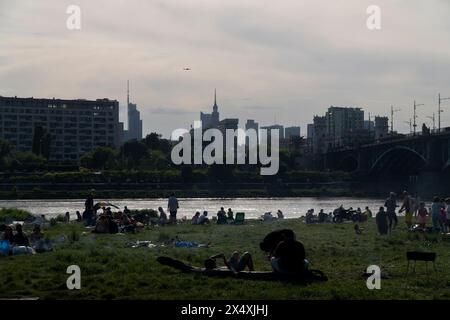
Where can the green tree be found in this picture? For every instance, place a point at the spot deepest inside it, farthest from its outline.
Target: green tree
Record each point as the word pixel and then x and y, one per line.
pixel 27 161
pixel 154 142
pixel 6 150
pixel 134 152
pixel 100 158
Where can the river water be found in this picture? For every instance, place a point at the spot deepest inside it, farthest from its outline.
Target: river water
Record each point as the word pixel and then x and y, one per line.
pixel 253 207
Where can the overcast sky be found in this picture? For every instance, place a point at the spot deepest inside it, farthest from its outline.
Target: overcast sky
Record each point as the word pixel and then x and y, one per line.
pixel 282 61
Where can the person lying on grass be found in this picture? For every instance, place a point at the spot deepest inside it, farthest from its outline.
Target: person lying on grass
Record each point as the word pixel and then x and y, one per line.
pixel 236 263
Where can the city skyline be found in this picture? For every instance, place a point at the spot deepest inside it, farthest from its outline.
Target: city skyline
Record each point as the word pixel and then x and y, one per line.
pixel 265 60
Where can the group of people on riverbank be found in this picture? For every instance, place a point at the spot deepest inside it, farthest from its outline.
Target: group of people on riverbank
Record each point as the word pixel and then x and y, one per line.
pixel 338 215
pixel 109 222
pixel 16 241
pixel 415 209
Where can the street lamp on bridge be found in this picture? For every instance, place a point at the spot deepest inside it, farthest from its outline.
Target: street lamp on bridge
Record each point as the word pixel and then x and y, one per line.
pixel 415 116
pixel 410 125
pixel 434 123
pixel 440 110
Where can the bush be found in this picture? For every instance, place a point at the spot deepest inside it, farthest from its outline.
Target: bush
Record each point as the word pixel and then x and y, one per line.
pixel 60 218
pixel 15 214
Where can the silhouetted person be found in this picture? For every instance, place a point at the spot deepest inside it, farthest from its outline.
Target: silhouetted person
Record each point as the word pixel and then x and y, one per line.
pixel 391 205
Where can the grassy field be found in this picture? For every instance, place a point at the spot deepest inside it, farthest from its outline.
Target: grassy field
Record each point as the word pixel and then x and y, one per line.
pixel 111 270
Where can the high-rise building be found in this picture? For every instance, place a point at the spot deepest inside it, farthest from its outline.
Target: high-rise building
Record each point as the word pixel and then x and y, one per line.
pixel 228 123
pixel 381 127
pixel 134 123
pixel 211 120
pixel 73 127
pixel 319 138
pixel 291 132
pixel 134 120
pixel 342 122
pixel 252 124
pixel 310 132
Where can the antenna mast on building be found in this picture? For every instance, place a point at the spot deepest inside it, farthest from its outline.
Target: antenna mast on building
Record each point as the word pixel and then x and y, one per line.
pixel 128 93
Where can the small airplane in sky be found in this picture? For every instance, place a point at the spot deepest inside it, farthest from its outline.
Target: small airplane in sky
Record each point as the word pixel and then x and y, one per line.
pixel 186 69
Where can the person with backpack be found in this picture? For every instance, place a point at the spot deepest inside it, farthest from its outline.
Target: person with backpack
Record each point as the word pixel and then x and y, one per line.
pixel 289 255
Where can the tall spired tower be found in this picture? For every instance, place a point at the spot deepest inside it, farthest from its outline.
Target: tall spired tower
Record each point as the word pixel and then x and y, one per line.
pixel 215 113
pixel 134 119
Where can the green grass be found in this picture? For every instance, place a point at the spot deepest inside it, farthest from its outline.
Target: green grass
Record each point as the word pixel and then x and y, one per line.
pixel 110 270
pixel 15 214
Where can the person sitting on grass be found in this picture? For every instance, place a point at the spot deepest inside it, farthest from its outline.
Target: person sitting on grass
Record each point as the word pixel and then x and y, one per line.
pixel 221 213
pixel 203 219
pixel 311 217
pixel 195 217
pixel 358 229
pixel 289 255
pixel 126 224
pixel 102 225
pixel 230 216
pixel 236 263
pixel 37 241
pixel 36 235
pixel 280 214
pixel 382 221
pixel 357 215
pixel 322 216
pixel 20 238
pixel 8 234
pixel 162 216
pixel 267 216
pixel 79 217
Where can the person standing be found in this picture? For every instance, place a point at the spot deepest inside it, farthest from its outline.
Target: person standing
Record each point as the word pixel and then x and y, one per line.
pixel 407 207
pixel 89 203
pixel 447 215
pixel 172 207
pixel 436 214
pixel 89 210
pixel 382 221
pixel 391 205
pixel 422 215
